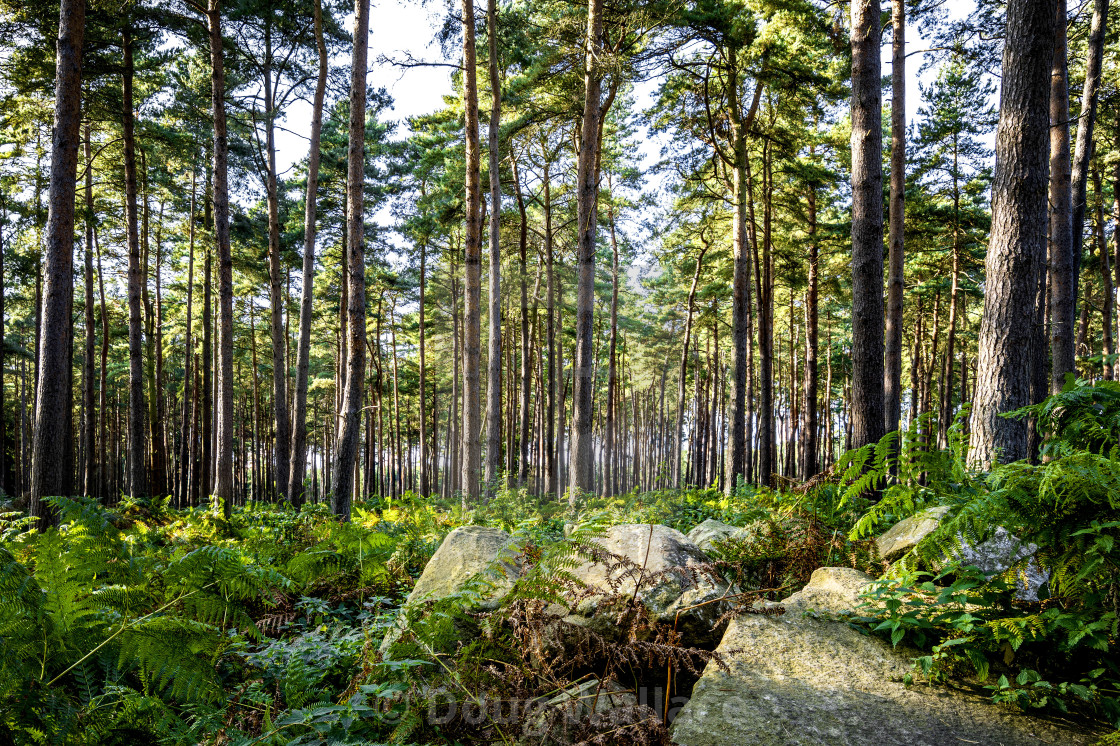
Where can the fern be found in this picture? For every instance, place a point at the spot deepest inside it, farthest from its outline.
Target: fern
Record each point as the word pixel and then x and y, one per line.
pixel 176 655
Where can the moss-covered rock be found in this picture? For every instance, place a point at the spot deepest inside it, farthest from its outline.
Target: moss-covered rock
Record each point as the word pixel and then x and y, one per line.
pixel 908 533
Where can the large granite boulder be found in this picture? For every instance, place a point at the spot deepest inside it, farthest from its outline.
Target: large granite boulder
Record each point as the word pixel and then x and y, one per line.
pixel 909 532
pixel 710 533
pixel 1002 551
pixel 466 553
pixel 994 556
pixel 798 679
pixel 660 568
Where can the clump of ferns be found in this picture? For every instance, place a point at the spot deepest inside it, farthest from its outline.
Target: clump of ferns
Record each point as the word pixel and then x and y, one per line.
pixel 1068 507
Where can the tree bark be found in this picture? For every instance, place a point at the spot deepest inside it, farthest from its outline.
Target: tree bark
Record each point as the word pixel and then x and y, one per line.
pixel 494 367
pixel 298 465
pixel 1109 304
pixel 424 486
pixel 1083 151
pixel 276 274
pixel 809 407
pixel 1018 238
pixel 612 364
pixel 161 430
pixel 202 478
pixel 682 374
pixel 737 466
pixel 52 404
pixel 524 386
pixel 105 472
pixel 222 492
pixel 552 484
pixel 1063 281
pixel 867 226
pixel 89 473
pixel 892 384
pixel 472 266
pixel 137 427
pixel 350 416
pixel 185 498
pixel 587 196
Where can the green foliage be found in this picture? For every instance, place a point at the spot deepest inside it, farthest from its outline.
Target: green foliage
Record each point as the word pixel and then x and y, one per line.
pixel 1058 653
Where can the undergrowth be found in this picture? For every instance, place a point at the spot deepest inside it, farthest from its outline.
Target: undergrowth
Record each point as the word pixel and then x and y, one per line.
pixel 143 624
pixel 1048 645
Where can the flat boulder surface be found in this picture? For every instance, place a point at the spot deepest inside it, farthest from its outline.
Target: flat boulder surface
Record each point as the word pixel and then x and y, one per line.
pixel 797 680
pixel 464 554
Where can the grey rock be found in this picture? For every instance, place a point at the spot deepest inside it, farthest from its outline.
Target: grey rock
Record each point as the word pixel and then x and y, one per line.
pixel 1002 551
pixel 671 581
pixel 710 532
pixel 831 590
pixel 909 532
pixel 994 556
pixel 798 680
pixel 465 553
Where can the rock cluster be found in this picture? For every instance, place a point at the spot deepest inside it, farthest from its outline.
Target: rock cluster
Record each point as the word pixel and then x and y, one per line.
pixel 797 672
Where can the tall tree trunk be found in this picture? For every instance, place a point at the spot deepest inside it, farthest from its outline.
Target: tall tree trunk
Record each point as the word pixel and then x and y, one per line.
pixel 187 430
pixel 298 465
pixel 867 226
pixel 1085 125
pixel 587 197
pixel 276 275
pixel 48 466
pixel 89 473
pixel 1116 236
pixel 1109 304
pixel 455 437
pixel 737 466
pixel 892 384
pixel 1063 280
pixel 765 280
pixel 158 404
pixel 1018 238
pixel 472 266
pixel 105 471
pixel 137 478
pixel 222 492
pixel 522 244
pixel 425 483
pixel 203 477
pixel 612 365
pixel 676 454
pixel 954 299
pixel 552 485
pixel 350 416
pixel 809 406
pixel 494 367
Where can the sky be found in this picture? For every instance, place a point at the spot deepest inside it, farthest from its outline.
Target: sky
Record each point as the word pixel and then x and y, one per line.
pixel 400 28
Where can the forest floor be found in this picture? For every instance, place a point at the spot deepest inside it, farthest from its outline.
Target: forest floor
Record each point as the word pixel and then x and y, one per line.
pixel 137 623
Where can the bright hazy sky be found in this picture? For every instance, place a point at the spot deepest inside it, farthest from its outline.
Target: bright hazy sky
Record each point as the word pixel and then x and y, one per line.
pixel 408 27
